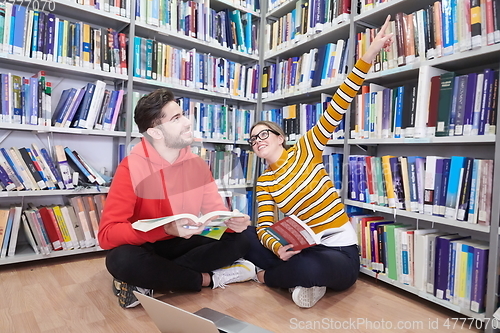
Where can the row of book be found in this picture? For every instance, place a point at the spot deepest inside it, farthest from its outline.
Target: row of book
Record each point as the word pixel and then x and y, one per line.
pixel 449 266
pixel 320 66
pixel 217 121
pixel 28 100
pixel 443 28
pixel 448 105
pixel 117 7
pixel 25 100
pixel 229 165
pixel 333 163
pixel 242 201
pixel 297 119
pixel 35 169
pixel 227 28
pixel 458 188
pixel 52 228
pixel 187 68
pixel 38 35
pixel 92 107
pixel 309 17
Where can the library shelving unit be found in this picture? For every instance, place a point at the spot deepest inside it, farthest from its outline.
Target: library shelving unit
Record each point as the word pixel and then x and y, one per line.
pixel 62 76
pixel 479 146
pixel 100 146
pixel 205 45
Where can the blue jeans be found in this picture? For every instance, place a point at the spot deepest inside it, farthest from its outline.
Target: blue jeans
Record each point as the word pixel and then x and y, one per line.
pixel 334 267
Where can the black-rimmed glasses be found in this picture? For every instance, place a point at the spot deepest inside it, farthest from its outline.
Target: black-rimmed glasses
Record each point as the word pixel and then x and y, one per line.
pixel 264 134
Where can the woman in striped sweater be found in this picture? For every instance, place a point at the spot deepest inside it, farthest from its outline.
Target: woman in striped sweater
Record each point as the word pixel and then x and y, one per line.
pixel 297 183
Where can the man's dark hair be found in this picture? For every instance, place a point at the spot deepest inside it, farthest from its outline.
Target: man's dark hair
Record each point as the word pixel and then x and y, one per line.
pixel 148 112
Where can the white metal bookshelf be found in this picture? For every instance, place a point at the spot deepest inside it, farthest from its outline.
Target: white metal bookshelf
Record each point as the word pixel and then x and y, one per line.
pixel 200 141
pixel 451 62
pixel 221 4
pixel 375 17
pixel 71 11
pixel 192 91
pixel 423 294
pixel 303 93
pixel 100 18
pixel 24 253
pixel 88 13
pixel 55 68
pixel 460 61
pixel 281 10
pixel 330 32
pixel 53 129
pixel 187 42
pixel 417 216
pixel 44 193
pixel 378 14
pixel 452 140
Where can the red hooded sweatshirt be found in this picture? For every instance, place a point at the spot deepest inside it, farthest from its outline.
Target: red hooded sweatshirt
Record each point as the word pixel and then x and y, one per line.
pixel 146 186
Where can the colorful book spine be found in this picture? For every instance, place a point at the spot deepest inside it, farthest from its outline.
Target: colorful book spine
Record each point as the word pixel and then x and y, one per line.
pixel 478 288
pixel 454 183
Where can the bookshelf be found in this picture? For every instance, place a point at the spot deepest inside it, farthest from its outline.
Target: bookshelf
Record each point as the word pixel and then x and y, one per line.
pixel 79 191
pixel 424 295
pixel 101 146
pixel 475 146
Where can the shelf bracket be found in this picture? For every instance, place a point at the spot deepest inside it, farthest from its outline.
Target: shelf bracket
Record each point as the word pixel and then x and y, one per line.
pixel 4 136
pixel 363 148
pixel 125 26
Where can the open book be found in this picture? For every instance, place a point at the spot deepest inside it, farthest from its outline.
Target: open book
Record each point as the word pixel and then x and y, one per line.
pixel 291 230
pixel 150 224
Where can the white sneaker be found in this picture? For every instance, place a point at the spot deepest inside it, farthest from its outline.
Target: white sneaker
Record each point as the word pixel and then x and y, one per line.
pixel 307 297
pixel 241 270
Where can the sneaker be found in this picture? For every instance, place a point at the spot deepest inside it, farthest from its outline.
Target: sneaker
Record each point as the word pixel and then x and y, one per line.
pixel 241 270
pixel 117 287
pixel 307 297
pixel 127 299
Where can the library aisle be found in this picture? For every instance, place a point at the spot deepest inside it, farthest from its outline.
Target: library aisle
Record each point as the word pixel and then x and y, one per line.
pixel 73 294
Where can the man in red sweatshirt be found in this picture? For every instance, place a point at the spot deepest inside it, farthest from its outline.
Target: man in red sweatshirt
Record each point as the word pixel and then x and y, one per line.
pixel 162 177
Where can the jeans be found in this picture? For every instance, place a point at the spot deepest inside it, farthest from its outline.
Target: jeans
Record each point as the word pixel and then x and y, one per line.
pixel 334 267
pixel 174 264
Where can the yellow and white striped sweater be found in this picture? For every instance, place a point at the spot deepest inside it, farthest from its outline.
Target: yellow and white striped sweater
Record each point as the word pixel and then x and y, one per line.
pixel 298 183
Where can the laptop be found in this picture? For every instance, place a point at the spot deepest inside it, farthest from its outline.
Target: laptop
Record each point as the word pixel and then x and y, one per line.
pixel 169 318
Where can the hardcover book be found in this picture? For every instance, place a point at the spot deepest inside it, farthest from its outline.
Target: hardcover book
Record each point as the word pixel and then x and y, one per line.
pixel 291 230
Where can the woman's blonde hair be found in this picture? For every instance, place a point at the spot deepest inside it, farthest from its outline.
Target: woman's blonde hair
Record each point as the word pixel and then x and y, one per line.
pixel 275 127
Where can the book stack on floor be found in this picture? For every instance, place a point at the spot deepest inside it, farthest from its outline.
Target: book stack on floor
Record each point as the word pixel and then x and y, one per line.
pixel 52 228
pixel 446 265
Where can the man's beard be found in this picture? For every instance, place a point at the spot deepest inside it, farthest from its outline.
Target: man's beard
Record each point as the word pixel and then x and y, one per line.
pixel 176 142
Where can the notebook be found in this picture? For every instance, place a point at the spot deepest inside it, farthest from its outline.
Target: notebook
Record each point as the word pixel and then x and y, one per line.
pixel 169 318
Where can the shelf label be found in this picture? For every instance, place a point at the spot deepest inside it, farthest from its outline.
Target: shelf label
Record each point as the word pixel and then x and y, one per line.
pixel 417 140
